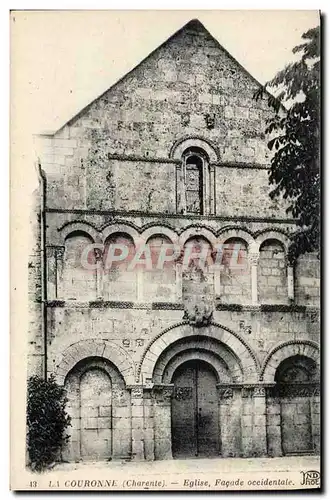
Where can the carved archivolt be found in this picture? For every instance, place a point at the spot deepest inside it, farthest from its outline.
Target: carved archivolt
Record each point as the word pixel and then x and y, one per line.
pixel 286 350
pixel 95 348
pixel 233 341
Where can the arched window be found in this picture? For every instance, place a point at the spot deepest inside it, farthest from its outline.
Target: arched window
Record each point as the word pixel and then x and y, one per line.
pixel 194 164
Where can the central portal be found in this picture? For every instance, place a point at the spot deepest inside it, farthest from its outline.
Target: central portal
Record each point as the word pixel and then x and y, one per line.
pixel 195 414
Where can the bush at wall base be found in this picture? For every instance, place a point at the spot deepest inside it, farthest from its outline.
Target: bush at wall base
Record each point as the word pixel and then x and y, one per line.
pixel 46 421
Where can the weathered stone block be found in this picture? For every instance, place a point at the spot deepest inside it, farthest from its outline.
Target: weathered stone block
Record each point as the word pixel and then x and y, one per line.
pixel 89 411
pixel 103 423
pixel 137 423
pixel 121 423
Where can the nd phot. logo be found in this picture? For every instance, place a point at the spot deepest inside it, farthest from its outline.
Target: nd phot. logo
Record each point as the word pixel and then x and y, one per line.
pixel 310 478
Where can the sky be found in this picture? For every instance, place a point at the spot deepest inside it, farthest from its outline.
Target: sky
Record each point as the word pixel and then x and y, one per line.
pixel 63 60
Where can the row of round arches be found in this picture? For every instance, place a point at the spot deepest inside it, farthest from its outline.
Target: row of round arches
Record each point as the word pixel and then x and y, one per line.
pixel 235 352
pixel 253 240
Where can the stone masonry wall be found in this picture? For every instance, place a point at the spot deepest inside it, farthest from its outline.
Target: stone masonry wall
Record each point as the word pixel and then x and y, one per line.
pixel 136 327
pixel 35 334
pixel 307 282
pixel 113 176
pixel 188 87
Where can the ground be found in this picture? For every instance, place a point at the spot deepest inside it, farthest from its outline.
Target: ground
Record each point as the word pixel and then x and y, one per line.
pixel 207 465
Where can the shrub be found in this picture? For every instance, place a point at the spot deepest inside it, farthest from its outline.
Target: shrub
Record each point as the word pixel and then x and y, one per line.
pixel 46 421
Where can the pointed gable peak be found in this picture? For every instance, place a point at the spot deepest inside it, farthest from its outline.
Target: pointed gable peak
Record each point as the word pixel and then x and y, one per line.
pixel 194 25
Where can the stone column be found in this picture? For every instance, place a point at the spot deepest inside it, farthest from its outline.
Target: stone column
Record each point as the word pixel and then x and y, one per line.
pixel 217 280
pixel 51 273
pixel 149 430
pixel 162 395
pixel 254 257
pixel 59 265
pixel 246 422
pixel 259 422
pixel 180 189
pixel 71 449
pixel 212 189
pixel 229 421
pixel 290 282
pixel 99 273
pixel 273 423
pixel 139 284
pixel 178 281
pixel 206 188
pixel 137 422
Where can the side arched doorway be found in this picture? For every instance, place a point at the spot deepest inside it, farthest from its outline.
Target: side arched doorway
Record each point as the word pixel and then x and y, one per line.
pixel 99 406
pixel 296 380
pixel 195 411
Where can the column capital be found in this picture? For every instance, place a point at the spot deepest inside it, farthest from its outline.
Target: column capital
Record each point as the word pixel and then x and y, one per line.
pixel 59 252
pixel 225 394
pixel 50 251
pixel 179 258
pixel 98 253
pixel 256 390
pixel 136 391
pixel 253 258
pixel 259 392
pixel 163 393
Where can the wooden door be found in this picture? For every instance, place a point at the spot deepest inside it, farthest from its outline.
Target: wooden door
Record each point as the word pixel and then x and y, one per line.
pixel 195 418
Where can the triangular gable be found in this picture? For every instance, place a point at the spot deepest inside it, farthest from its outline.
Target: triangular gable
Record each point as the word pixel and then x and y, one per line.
pixel 194 26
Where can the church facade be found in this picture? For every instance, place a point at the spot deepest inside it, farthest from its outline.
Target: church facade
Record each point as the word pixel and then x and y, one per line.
pixel 172 361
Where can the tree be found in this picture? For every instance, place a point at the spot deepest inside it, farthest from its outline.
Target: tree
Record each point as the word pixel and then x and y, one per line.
pixel 46 421
pixel 295 132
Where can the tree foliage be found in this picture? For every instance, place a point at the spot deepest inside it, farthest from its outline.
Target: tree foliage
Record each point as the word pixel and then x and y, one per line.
pixel 46 421
pixel 295 140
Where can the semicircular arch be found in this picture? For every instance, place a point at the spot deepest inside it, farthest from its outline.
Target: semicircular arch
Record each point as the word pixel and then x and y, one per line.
pixel 157 230
pixel 236 233
pixel 122 229
pixel 286 350
pixel 235 343
pixel 80 227
pixel 184 143
pixel 272 235
pixel 200 348
pixel 194 232
pixel 196 355
pixel 98 348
